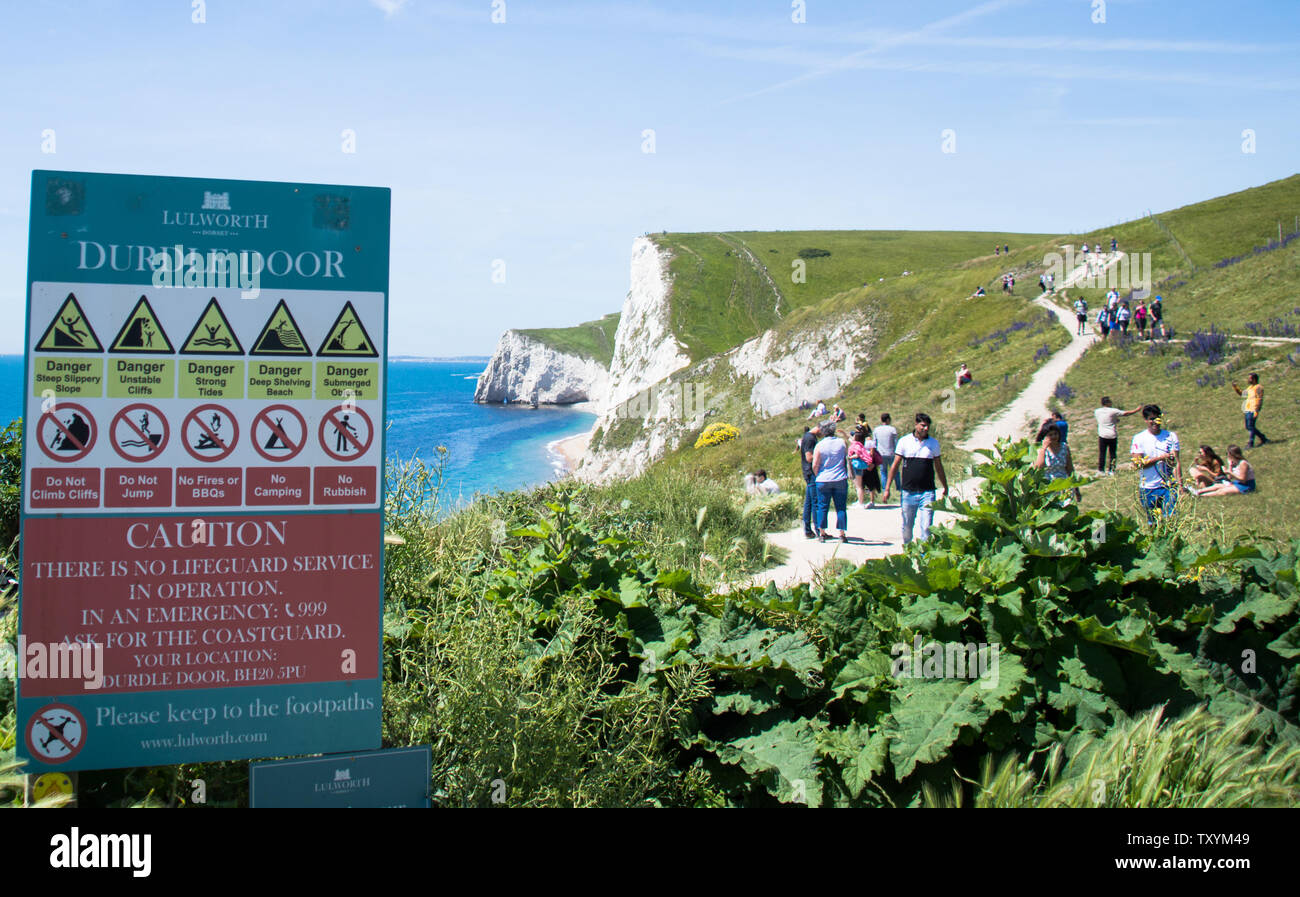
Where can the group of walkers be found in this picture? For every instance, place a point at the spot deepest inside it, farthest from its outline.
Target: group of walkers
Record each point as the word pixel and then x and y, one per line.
pixel 876 460
pixel 1115 316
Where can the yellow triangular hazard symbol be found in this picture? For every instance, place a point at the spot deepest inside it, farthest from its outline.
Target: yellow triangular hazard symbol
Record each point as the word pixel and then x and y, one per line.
pixel 280 336
pixel 69 331
pixel 347 337
pixel 142 332
pixel 212 334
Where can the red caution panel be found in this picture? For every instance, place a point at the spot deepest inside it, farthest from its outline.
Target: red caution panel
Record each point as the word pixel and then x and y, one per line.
pixel 278 486
pixel 52 487
pixel 199 487
pixel 133 487
pixel 345 486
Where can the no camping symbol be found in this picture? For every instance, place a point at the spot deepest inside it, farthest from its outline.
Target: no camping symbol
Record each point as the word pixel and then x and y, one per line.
pixel 56 733
pixel 346 432
pixel 66 433
pixel 210 432
pixel 279 432
pixel 139 432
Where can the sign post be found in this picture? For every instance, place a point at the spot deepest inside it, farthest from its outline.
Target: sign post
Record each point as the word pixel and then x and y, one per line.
pixel 201 580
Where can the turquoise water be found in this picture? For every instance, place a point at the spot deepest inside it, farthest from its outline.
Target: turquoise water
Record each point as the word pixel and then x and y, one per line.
pixel 430 403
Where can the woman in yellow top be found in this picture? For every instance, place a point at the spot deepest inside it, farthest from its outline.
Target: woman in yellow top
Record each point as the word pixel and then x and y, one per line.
pixel 1252 402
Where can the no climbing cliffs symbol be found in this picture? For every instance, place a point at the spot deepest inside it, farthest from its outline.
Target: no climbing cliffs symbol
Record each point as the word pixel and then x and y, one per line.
pixel 212 334
pixel 142 332
pixel 281 335
pixel 69 331
pixel 347 337
pixel 56 733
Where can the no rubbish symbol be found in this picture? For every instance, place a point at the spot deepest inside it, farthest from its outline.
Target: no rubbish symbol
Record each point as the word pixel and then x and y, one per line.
pixel 66 434
pixel 210 432
pixel 56 733
pixel 139 432
pixel 279 432
pixel 346 433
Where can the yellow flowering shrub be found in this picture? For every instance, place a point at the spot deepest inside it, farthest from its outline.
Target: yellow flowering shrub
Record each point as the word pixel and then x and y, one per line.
pixel 716 434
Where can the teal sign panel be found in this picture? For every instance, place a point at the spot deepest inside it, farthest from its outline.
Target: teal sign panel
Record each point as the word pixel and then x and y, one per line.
pixel 203 481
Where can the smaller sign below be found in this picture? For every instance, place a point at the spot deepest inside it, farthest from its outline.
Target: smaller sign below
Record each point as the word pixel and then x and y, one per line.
pixel 345 486
pixel 69 331
pixel 397 777
pixel 347 380
pixel 212 379
pixel 132 487
pixel 198 487
pixel 142 332
pixel 141 378
pixel 53 487
pixel 278 486
pixel 346 433
pixel 279 379
pixel 139 432
pixel 68 378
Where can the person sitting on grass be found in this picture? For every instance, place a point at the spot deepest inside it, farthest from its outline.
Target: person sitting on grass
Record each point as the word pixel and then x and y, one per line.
pixel 963 375
pixel 1207 469
pixel 757 483
pixel 1241 476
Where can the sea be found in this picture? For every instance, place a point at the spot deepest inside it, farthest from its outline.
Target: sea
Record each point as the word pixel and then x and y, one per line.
pixel 490 448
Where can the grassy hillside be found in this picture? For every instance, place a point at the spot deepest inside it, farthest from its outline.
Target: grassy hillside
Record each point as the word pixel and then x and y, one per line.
pixel 729 287
pixel 592 339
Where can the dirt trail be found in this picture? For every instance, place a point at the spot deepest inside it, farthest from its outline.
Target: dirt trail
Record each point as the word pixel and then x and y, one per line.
pixel 878 532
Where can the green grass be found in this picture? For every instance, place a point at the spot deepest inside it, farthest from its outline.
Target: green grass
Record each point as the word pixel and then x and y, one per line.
pixel 720 299
pixel 591 339
pixel 1209 414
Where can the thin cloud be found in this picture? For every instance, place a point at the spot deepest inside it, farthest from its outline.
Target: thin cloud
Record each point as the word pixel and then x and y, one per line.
pixel 389 8
pixel 851 60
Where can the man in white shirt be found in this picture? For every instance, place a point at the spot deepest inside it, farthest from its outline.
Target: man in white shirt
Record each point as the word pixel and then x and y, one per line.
pixel 1108 433
pixel 886 438
pixel 918 454
pixel 1155 455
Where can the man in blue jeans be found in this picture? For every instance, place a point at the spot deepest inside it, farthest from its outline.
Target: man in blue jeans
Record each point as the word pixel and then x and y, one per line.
pixel 1155 455
pixel 807 443
pixel 918 456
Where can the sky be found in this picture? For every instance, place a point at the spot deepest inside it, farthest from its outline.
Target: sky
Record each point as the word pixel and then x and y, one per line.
pixel 540 146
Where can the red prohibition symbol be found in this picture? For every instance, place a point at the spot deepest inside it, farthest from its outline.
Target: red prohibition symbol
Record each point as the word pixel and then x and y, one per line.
pixel 209 433
pixel 56 733
pixel 66 440
pixel 132 432
pixel 351 432
pixel 280 442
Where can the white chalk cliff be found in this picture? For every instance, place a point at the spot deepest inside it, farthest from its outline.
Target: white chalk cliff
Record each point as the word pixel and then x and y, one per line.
pixel 523 369
pixel 657 397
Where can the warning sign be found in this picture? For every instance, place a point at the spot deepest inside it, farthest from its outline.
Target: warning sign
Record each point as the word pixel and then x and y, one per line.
pixel 210 432
pixel 279 432
pixel 211 488
pixel 347 337
pixel 346 433
pixel 212 334
pixel 280 335
pixel 142 332
pixel 139 432
pixel 69 331
pixel 67 432
pixel 56 733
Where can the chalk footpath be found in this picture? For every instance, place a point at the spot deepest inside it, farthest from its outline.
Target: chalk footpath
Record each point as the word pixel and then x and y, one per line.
pixel 878 532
